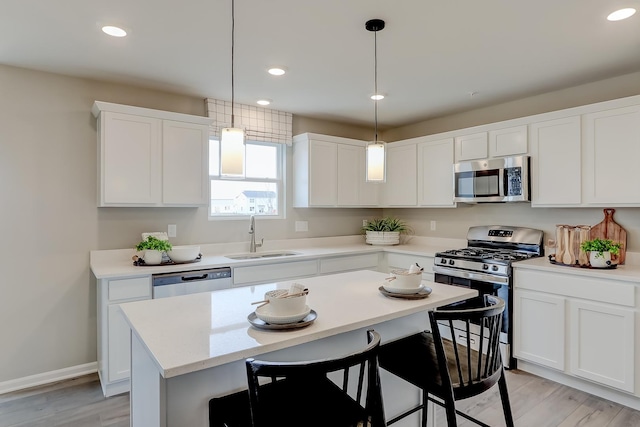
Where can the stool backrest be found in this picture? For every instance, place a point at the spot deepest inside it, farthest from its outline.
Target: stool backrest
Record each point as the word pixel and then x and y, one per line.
pixel 470 351
pixel 306 377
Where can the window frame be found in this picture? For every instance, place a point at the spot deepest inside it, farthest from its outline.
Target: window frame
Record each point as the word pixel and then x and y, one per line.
pixel 279 181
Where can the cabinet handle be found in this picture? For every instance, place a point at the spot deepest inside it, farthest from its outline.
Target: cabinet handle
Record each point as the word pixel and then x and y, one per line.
pixel 187 278
pixel 464 338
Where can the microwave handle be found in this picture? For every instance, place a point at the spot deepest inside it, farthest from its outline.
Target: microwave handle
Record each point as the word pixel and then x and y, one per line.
pixel 501 189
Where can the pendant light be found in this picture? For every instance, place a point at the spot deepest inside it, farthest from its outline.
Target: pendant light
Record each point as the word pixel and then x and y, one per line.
pixel 232 147
pixel 375 167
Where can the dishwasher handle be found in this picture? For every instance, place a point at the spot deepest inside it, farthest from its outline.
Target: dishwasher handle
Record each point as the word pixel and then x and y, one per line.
pixel 188 278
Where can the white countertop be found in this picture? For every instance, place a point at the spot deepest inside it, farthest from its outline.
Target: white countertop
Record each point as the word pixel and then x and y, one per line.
pixel 118 262
pixel 193 332
pixel 629 273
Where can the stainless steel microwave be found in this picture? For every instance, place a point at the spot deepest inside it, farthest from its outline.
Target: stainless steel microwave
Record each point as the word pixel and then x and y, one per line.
pixel 503 179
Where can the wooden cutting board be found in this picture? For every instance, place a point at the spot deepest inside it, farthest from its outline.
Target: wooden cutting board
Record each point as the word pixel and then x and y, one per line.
pixel 609 229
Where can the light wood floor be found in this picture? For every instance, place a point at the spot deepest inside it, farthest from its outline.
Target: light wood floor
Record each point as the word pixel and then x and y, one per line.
pixel 535 402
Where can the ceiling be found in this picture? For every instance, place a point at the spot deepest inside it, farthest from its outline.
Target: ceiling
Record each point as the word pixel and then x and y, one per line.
pixel 431 56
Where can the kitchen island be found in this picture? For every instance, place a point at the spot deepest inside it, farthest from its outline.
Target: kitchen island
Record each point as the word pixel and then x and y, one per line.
pixel 188 349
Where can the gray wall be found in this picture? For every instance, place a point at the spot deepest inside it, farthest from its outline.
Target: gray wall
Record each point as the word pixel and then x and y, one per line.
pixel 50 221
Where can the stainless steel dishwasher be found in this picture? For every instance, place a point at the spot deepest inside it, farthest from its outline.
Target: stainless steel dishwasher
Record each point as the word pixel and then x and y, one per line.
pixel 191 282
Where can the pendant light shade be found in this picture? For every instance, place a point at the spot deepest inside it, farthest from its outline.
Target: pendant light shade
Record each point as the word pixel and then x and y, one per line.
pixel 376 155
pixel 232 152
pixel 232 147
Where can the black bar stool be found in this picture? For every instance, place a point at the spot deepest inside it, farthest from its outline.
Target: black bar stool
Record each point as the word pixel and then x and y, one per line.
pixel 449 368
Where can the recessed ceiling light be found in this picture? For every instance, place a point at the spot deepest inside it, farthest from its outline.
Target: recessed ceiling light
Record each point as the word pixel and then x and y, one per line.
pixel 114 31
pixel 263 102
pixel 621 14
pixel 377 97
pixel 276 71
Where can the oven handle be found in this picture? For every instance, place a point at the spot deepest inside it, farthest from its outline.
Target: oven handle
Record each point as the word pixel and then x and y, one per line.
pixel 471 275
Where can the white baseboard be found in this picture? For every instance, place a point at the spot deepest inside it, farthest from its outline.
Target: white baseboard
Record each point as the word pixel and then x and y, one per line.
pixel 48 377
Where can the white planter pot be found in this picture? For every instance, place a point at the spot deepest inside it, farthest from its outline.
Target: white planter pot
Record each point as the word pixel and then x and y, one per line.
pixel 152 257
pixel 383 237
pixel 600 261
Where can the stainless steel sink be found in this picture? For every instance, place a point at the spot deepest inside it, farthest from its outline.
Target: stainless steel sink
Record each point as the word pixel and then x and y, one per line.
pixel 259 255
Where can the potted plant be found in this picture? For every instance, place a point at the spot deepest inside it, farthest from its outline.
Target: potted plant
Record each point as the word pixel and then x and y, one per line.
pixel 153 249
pixel 385 231
pixel 600 251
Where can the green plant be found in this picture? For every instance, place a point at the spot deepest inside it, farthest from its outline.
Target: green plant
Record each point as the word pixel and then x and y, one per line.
pixel 600 246
pixel 386 224
pixel 153 244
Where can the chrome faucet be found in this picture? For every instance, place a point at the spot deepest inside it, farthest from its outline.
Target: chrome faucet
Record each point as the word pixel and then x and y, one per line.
pixel 252 230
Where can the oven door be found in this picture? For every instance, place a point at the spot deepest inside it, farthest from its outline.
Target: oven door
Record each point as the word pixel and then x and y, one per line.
pixel 499 286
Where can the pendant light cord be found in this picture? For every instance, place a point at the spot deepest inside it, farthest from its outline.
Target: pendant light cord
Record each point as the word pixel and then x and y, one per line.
pixel 375 84
pixel 233 28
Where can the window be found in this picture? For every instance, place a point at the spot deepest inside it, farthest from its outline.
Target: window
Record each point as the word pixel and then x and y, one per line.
pixel 260 192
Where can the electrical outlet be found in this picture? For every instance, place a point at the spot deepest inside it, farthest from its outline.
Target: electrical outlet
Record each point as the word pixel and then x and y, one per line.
pixel 364 222
pixel 433 226
pixel 172 230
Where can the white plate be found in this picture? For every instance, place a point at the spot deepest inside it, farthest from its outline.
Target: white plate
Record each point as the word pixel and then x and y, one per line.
pixel 387 287
pixel 263 313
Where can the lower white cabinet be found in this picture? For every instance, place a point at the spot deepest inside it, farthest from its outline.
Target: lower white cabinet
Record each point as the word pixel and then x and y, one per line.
pixel 601 343
pixel 349 263
pixel 404 261
pixel 114 348
pixel 598 316
pixel 539 321
pixel 265 273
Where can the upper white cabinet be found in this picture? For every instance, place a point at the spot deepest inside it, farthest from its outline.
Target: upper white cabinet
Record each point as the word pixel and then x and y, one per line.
pixel 435 173
pixel 611 153
pixel 471 147
pixel 328 171
pixel 150 157
pixel 556 162
pixel 508 142
pixel 401 186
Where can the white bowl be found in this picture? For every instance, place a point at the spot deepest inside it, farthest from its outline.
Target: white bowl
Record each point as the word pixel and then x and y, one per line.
pixel 285 306
pixel 264 313
pixel 183 253
pixel 405 279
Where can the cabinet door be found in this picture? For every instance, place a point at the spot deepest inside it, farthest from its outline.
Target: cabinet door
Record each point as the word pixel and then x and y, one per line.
pixel 602 341
pixel 469 147
pixel 119 344
pixel 556 162
pixel 435 173
pixel 401 186
pixel 130 159
pixel 539 324
pixel 323 173
pixel 508 141
pixel 185 174
pixel 612 150
pixel 350 173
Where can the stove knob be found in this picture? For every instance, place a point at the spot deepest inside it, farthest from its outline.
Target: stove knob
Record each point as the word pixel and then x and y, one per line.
pixel 451 262
pixel 443 261
pixel 494 268
pixel 485 266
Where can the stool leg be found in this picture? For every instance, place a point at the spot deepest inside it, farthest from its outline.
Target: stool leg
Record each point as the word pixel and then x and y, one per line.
pixel 504 396
pixel 425 408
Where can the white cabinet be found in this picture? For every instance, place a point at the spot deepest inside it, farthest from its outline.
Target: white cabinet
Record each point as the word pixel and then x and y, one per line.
pixel 601 343
pixel 611 153
pixel 328 171
pixel 274 271
pixel 508 141
pixel 349 263
pixel 353 189
pixel 150 157
pixel 556 162
pixel 113 331
pixel 400 189
pixel 472 146
pixel 435 173
pixel 599 320
pixel 539 324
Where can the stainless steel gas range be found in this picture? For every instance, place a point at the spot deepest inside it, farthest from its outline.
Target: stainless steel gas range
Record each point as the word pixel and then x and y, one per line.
pixel 486 265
